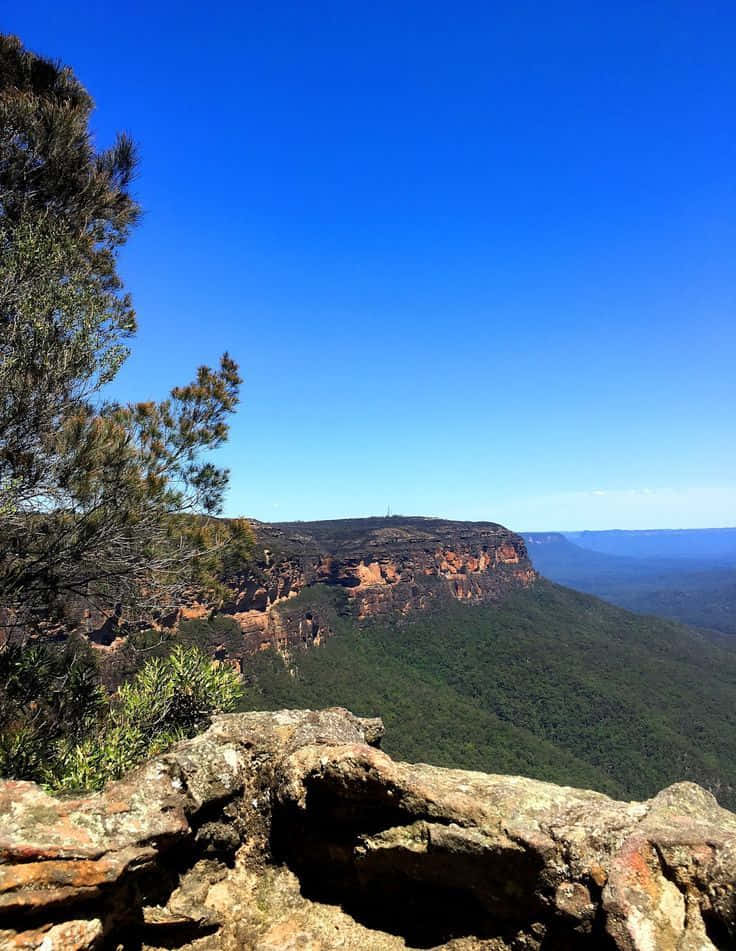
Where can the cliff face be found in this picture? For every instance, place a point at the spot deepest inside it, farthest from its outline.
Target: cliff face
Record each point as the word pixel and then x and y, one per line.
pixel 385 565
pixel 291 830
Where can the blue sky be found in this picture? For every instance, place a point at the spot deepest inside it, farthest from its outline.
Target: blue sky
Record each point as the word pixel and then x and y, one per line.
pixel 475 260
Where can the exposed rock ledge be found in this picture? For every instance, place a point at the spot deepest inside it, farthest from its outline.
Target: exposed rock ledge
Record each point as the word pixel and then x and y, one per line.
pixel 288 830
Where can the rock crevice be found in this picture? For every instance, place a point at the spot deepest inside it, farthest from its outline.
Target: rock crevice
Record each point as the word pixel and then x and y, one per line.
pixel 290 830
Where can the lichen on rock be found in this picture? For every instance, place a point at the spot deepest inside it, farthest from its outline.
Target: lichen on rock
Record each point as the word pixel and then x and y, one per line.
pixel 289 830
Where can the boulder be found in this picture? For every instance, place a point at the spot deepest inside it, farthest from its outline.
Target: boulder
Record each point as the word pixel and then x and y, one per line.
pixel 290 830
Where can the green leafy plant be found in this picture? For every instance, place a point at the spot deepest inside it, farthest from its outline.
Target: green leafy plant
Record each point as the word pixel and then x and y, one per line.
pixel 47 692
pixel 169 699
pixel 64 731
pixel 21 754
pixel 178 693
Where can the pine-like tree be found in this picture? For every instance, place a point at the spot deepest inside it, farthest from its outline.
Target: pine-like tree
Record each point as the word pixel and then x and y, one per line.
pixel 97 500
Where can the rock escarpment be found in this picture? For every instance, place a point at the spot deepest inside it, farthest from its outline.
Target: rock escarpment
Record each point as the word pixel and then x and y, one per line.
pixel 391 565
pixel 290 830
pixel 384 566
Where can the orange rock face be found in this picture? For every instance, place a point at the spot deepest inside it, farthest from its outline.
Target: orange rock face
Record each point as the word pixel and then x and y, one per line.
pixel 370 574
pixel 508 555
pixel 392 566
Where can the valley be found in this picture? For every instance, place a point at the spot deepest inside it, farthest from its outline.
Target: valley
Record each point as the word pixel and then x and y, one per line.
pixel 687 576
pixel 472 658
pixel 551 683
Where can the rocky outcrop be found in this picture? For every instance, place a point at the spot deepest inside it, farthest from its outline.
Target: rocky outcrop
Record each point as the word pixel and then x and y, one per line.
pixel 290 830
pixel 391 565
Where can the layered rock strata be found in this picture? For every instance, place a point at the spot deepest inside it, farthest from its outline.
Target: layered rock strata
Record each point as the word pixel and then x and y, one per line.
pixel 290 830
pixel 392 566
pixel 386 566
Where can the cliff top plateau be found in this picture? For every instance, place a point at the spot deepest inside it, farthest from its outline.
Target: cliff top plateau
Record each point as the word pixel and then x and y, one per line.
pixel 345 537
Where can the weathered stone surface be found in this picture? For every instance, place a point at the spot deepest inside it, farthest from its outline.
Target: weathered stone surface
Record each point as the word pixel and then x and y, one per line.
pixel 287 830
pixel 83 935
pixel 520 850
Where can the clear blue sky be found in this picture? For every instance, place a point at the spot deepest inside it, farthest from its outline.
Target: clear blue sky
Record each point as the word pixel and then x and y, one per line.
pixel 475 259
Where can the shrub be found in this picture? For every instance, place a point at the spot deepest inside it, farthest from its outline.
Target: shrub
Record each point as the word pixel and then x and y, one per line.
pixel 169 699
pixel 48 693
pixel 178 693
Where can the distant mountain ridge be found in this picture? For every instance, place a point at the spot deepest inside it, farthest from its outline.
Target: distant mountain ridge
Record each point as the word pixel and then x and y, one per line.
pixel 688 543
pixel 692 579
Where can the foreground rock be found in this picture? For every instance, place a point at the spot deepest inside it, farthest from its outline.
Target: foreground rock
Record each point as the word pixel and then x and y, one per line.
pixel 289 830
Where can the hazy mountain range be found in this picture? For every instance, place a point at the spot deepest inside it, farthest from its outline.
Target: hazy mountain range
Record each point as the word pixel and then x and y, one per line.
pixel 688 575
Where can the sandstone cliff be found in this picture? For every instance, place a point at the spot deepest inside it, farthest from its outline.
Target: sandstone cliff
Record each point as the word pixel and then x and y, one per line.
pixel 395 565
pixel 391 565
pixel 291 830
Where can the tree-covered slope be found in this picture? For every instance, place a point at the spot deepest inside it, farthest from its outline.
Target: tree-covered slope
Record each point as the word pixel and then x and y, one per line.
pixel 705 599
pixel 552 684
pixel 701 592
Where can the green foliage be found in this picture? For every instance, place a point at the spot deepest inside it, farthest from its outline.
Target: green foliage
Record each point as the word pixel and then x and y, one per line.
pixel 96 499
pixel 48 693
pixel 98 759
pixel 552 684
pixel 85 740
pixel 169 699
pixel 178 693
pixel 217 636
pixel 103 506
pixel 22 754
